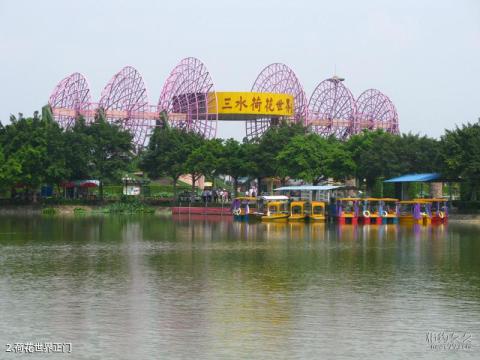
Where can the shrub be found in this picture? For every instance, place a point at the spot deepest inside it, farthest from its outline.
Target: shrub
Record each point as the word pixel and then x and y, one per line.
pixel 49 211
pixel 129 206
pixel 467 207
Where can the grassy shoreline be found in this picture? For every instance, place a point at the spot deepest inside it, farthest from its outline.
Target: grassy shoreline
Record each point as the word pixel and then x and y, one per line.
pixel 78 210
pixel 164 210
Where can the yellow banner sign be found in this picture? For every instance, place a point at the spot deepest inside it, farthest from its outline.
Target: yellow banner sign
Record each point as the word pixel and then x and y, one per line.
pixel 253 103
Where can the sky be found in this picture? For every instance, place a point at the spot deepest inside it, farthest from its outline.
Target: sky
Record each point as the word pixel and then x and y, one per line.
pixel 425 55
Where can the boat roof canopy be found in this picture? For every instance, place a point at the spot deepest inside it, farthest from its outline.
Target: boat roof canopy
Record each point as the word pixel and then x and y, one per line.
pixel 277 203
pixel 426 177
pixel 417 201
pixel 380 199
pixel 308 188
pixel 273 197
pixel 249 198
pixel 432 200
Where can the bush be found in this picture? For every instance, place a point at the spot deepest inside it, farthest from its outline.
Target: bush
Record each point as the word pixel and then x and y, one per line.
pixel 128 206
pixel 165 190
pixel 49 211
pixel 62 201
pixel 467 207
pixel 389 190
pixel 377 190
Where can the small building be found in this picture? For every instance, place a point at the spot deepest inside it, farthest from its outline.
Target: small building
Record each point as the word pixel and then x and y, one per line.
pixel 79 189
pixel 134 185
pixel 312 192
pixel 434 180
pixel 207 185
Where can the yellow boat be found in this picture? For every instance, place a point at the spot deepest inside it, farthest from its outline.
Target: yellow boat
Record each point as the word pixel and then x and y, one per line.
pixel 298 211
pixel 370 213
pixel 438 210
pixel 389 210
pixel 317 212
pixel 378 211
pixel 346 210
pixel 415 212
pixel 241 209
pixel 272 208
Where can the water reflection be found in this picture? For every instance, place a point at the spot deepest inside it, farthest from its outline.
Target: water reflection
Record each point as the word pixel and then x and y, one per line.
pixel 221 289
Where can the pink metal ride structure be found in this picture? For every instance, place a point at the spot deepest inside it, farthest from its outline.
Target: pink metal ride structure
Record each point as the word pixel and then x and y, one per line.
pixel 70 98
pixel 376 111
pixel 332 109
pixel 189 101
pixel 185 97
pixel 277 78
pixel 124 100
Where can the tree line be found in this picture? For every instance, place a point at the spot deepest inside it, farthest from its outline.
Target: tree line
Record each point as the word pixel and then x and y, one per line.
pixel 291 151
pixel 36 151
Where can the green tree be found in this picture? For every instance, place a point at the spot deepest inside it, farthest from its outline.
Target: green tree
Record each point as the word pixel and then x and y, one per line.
pixel 193 144
pixel 375 155
pixel 79 152
pixel 10 169
pixel 110 150
pixel 166 154
pixel 270 145
pixel 56 170
pixel 460 154
pixel 417 154
pixel 250 152
pixel 33 149
pixel 204 159
pixel 236 161
pixel 313 158
pixel 340 164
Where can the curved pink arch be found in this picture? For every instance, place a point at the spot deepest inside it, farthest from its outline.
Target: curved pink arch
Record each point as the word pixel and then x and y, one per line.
pixel 278 78
pixel 70 98
pixel 125 102
pixel 332 109
pixel 376 111
pixel 188 97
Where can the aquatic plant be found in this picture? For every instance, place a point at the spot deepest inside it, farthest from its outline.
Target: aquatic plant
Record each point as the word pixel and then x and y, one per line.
pixel 79 211
pixel 49 211
pixel 127 206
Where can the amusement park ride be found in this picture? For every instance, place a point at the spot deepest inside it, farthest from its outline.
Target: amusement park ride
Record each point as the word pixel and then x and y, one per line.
pixel 188 100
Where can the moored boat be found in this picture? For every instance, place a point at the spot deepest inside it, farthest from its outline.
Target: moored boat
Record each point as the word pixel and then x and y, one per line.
pixel 378 211
pixel 298 211
pixel 370 211
pixel 272 208
pixel 389 210
pixel 317 211
pixel 415 212
pixel 241 209
pixel 346 210
pixel 438 210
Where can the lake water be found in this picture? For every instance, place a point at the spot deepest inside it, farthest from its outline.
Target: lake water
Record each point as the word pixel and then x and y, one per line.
pixel 154 288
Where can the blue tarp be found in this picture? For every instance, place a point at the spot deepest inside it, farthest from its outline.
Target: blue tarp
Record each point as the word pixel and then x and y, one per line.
pixel 415 178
